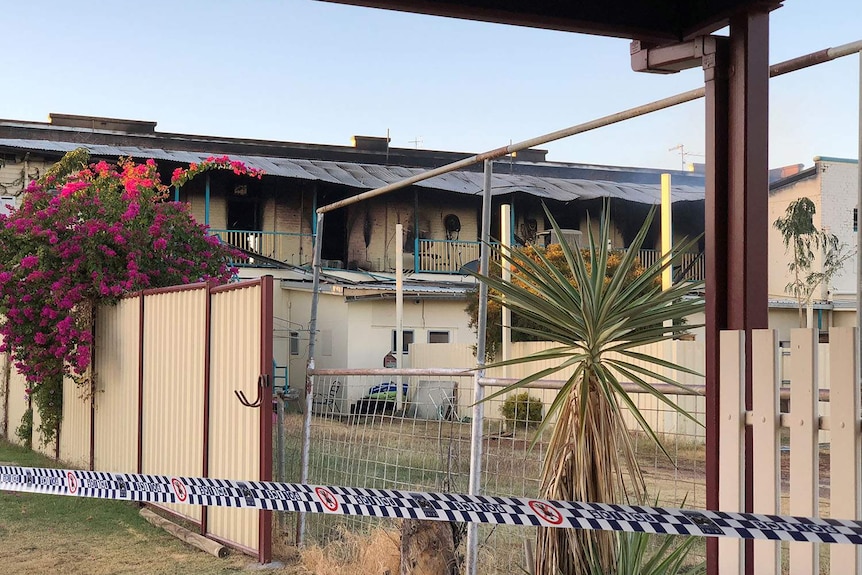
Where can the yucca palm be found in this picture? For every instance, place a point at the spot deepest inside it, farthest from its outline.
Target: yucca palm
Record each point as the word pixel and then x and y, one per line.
pixel 599 323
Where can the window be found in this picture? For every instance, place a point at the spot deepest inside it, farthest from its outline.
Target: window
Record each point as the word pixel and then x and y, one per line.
pixel 406 339
pixel 294 343
pixel 855 219
pixel 438 337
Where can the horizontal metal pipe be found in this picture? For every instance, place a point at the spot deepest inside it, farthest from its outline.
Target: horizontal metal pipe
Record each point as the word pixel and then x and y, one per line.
pixel 814 58
pixel 452 372
pixel 775 70
pixel 500 152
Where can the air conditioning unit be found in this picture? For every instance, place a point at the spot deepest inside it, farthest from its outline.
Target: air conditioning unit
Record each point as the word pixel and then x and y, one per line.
pixel 332 264
pixel 571 237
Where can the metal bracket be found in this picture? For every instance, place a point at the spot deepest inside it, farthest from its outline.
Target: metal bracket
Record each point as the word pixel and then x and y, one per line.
pixel 671 58
pixel 262 383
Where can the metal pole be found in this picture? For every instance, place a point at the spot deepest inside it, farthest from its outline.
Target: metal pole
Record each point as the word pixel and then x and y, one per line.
pixel 476 427
pixel 282 475
pixel 399 309
pixel 506 275
pixel 544 139
pixel 207 201
pixel 309 383
pixel 858 227
pixel 774 70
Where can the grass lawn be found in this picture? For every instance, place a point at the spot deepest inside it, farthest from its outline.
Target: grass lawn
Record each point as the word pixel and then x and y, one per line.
pixel 49 534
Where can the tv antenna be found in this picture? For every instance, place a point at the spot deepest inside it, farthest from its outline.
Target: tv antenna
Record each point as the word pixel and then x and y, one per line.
pixel 416 142
pixel 683 154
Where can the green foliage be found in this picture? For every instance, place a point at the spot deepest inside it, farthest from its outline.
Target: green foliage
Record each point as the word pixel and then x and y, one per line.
pixel 522 409
pixel 523 329
pixel 806 241
pixel 24 432
pixel 650 554
pixel 85 235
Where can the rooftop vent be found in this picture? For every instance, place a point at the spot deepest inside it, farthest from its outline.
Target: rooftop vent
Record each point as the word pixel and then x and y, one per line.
pixel 97 123
pixel 371 143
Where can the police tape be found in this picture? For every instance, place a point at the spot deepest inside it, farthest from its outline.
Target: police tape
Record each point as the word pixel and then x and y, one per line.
pixel 406 504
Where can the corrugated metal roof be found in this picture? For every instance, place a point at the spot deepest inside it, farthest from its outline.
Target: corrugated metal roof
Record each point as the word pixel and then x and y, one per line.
pixel 371 176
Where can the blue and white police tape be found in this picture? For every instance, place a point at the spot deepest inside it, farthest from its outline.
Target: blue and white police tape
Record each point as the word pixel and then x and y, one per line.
pixel 419 505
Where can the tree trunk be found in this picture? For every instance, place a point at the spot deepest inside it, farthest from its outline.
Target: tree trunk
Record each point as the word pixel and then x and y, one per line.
pixel 427 548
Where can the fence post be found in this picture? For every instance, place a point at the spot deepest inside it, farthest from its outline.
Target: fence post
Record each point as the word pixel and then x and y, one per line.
pixel 845 448
pixel 731 495
pixel 479 391
pixel 765 428
pixel 804 448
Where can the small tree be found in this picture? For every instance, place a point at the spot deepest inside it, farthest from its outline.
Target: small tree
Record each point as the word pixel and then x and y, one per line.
pixel 85 235
pixel 598 320
pixel 804 239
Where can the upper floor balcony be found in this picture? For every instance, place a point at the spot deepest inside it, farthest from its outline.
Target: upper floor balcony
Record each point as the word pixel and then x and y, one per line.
pixel 430 256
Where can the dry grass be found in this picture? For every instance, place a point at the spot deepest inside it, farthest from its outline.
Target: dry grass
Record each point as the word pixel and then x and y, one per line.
pixel 375 553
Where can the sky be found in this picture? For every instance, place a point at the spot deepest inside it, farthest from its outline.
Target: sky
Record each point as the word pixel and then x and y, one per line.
pixel 316 72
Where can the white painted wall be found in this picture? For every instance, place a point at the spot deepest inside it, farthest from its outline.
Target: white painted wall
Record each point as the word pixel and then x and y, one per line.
pixel 833 190
pixel 839 180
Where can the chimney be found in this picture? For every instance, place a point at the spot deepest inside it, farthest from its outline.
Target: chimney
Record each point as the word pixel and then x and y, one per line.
pixel 371 143
pixel 97 123
pixel 531 155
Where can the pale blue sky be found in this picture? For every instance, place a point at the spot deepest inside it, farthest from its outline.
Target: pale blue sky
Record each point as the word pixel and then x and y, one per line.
pixel 307 71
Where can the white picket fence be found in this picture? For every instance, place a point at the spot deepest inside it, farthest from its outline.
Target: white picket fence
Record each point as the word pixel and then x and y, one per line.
pixel 803 492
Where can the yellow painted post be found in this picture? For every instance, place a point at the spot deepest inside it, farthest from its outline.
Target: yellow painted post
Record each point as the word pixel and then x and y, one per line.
pixel 666 231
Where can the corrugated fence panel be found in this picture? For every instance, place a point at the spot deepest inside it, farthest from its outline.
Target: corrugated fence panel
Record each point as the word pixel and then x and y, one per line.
pixel 75 429
pixel 5 369
pixel 116 400
pixel 17 403
pixel 173 387
pixel 234 430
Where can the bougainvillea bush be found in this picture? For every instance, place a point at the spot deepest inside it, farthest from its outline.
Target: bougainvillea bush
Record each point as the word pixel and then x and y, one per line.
pixel 84 235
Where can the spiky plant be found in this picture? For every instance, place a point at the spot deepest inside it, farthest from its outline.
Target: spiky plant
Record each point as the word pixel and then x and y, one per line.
pixel 599 324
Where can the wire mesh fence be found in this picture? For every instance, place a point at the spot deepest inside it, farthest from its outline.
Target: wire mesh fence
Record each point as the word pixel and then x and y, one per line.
pixel 361 435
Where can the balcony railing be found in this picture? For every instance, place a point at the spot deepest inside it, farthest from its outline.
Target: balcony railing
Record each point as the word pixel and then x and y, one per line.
pixel 692 266
pixel 448 256
pixel 287 247
pixel 435 256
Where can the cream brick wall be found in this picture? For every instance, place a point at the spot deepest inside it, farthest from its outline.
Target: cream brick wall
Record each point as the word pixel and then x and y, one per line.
pixel 839 196
pixel 779 258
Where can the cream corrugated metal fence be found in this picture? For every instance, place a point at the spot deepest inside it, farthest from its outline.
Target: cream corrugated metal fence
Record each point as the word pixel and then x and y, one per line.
pixel 115 413
pixel 234 430
pixel 173 386
pixel 166 365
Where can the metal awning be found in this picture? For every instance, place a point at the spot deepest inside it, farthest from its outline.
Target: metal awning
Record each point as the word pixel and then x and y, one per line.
pixel 371 176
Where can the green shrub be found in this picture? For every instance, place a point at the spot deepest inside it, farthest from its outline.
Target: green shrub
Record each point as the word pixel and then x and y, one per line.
pixel 25 430
pixel 522 409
